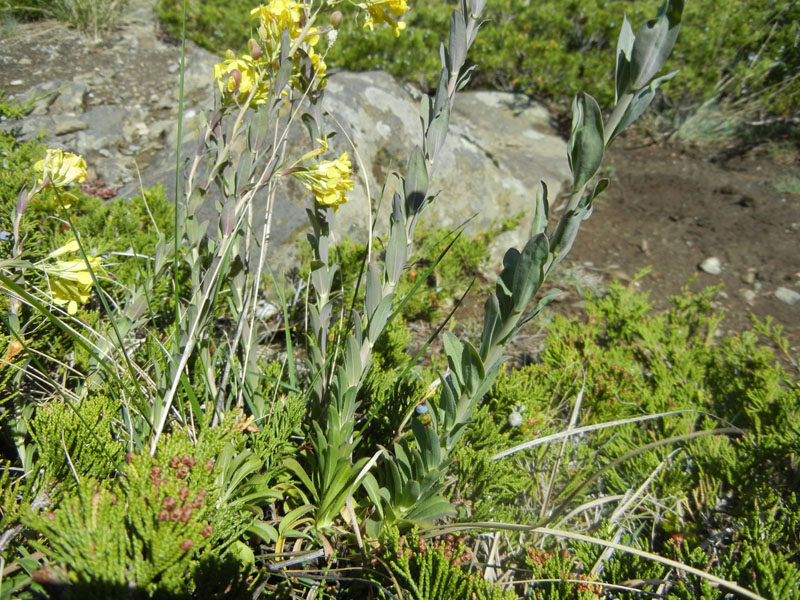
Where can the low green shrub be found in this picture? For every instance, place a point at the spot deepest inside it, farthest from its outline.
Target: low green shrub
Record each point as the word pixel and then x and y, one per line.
pixel 626 361
pixel 551 49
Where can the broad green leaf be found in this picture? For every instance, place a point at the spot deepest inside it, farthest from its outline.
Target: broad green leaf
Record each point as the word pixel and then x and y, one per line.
pixel 586 143
pixel 542 211
pixel 529 273
pixel 654 42
pixel 415 183
pixel 396 253
pixel 624 52
pixel 457 50
pixel 292 517
pixel 639 103
pixel 372 294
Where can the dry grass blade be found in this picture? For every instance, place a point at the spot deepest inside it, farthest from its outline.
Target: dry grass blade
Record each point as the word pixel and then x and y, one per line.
pixel 588 428
pixel 713 579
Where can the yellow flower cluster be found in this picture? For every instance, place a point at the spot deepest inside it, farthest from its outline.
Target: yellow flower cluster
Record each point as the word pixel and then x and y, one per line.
pixel 60 169
pixel 71 281
pixel 280 15
pixel 329 181
pixel 274 18
pixel 238 77
pixel 377 14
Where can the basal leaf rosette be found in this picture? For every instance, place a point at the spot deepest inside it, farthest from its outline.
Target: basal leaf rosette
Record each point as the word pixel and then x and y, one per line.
pixel 60 169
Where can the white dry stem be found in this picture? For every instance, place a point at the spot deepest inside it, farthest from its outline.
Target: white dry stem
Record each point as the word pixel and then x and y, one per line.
pixel 623 507
pixel 587 428
pixel 713 579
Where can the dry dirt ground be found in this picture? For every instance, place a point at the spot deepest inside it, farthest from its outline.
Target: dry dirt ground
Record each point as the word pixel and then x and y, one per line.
pixel 672 207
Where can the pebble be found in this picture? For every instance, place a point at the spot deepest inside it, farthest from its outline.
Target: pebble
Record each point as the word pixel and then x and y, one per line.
pixel 16 82
pixel 749 277
pixel 712 265
pixel 749 296
pixel 787 296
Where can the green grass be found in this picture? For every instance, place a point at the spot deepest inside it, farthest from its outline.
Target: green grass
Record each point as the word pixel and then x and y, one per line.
pixel 787 185
pixel 93 16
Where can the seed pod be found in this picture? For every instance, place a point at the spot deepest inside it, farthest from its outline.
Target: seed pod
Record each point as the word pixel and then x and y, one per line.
pixel 187 544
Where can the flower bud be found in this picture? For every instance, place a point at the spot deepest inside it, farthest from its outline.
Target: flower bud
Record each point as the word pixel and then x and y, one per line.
pixel 336 18
pixel 187 544
pixel 236 75
pixel 255 49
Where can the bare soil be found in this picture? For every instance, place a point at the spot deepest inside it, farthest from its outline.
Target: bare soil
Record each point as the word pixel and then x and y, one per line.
pixel 671 207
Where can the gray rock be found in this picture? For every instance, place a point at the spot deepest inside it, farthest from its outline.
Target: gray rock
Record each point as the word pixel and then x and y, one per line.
pixel 787 296
pixel 65 126
pixel 711 265
pixel 498 149
pixel 42 94
pixel 30 127
pixel 105 130
pixel 70 99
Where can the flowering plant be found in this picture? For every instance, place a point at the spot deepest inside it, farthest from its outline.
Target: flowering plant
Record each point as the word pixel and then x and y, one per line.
pixel 60 169
pixel 298 454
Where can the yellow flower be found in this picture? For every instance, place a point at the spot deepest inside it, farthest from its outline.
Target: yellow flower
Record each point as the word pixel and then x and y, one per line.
pixel 275 17
pixel 71 282
pixel 236 78
pixel 377 15
pixel 70 247
pixel 328 181
pixel 60 169
pixel 320 68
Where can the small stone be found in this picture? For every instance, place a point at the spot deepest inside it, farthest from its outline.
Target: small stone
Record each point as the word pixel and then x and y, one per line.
pixel 16 82
pixel 712 265
pixel 24 61
pixel 749 296
pixel 749 277
pixel 787 296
